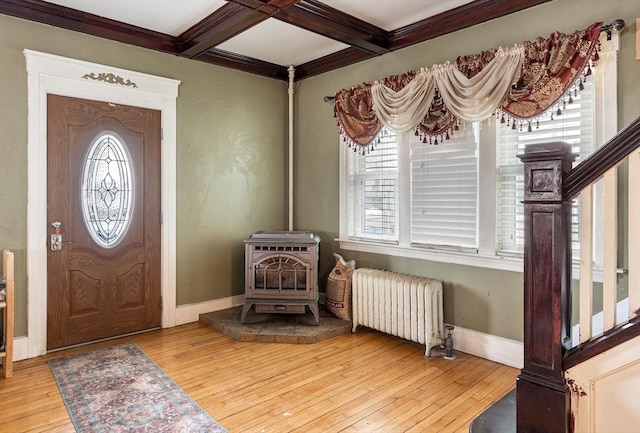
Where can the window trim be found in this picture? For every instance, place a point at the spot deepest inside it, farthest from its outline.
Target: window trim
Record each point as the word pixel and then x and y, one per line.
pixel 504 263
pixel 487 254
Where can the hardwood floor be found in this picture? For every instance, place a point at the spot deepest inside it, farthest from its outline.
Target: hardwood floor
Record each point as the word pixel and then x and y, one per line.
pixel 362 382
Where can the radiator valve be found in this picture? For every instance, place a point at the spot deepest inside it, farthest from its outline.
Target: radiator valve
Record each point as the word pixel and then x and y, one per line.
pixel 445 350
pixel 448 344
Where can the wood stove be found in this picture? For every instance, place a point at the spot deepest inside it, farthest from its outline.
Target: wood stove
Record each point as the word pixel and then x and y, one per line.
pixel 281 273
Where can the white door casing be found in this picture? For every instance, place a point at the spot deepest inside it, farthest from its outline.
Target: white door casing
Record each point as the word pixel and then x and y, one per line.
pixel 47 73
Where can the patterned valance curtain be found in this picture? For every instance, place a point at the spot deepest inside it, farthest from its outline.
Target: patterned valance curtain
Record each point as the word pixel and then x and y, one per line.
pixel 516 84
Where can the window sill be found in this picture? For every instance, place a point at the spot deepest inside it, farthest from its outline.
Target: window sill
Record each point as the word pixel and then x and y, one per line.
pixel 502 263
pixel 513 264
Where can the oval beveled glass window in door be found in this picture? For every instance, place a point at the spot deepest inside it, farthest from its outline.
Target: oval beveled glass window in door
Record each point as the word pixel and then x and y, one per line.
pixel 107 190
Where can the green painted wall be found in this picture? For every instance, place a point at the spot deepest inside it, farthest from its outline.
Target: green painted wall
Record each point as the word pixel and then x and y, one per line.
pixel 476 298
pixel 231 155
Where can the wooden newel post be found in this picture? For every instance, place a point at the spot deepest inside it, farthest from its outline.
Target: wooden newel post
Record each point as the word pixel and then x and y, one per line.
pixel 542 396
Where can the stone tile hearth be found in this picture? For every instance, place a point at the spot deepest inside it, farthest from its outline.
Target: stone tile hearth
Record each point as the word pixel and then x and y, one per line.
pixel 276 328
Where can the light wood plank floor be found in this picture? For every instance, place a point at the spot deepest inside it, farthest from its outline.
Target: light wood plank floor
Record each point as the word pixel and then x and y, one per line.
pixel 362 382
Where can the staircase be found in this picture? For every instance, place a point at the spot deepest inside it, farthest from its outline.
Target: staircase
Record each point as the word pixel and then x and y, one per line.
pixel 578 384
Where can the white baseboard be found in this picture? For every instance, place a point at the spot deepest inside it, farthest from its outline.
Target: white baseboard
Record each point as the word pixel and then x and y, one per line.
pixel 20 348
pixel 184 314
pixel 191 312
pixel 488 346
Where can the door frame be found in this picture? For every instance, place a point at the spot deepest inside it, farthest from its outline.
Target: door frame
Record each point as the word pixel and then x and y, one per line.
pixel 47 73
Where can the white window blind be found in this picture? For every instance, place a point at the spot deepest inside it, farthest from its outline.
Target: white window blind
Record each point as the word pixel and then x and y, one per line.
pixel 444 190
pixel 373 192
pixel 575 125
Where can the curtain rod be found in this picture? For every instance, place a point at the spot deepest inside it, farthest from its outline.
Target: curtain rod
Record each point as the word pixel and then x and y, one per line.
pixel 616 25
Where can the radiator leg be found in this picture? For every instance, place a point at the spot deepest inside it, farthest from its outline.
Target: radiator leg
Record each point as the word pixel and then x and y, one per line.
pixel 435 350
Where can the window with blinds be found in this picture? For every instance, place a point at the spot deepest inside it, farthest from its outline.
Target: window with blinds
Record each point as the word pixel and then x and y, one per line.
pixel 373 192
pixel 574 125
pixel 461 201
pixel 444 190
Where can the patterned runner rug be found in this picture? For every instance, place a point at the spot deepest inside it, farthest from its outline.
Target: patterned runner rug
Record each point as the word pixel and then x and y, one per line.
pixel 119 389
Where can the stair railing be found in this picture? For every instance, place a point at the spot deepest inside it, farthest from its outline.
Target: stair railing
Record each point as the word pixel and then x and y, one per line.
pixel 543 398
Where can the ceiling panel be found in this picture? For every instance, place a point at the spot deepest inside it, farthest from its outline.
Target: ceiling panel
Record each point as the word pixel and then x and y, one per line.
pixel 277 42
pixel 171 17
pixel 393 14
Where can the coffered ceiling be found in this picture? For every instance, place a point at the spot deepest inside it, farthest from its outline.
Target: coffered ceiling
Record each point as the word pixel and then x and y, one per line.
pixel 265 37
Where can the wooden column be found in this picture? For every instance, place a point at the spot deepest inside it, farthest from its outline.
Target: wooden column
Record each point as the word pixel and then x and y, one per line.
pixel 542 395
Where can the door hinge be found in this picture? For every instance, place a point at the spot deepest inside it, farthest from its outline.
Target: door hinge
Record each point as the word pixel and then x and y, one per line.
pixel 161 306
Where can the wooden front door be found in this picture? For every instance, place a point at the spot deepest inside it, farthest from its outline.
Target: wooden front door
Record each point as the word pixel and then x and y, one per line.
pixel 104 190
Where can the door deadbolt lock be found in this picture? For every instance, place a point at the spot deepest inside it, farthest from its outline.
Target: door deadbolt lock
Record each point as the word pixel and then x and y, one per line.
pixel 56 237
